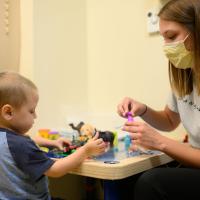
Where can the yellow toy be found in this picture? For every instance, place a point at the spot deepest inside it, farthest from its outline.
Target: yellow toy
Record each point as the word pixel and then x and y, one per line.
pixel 87 130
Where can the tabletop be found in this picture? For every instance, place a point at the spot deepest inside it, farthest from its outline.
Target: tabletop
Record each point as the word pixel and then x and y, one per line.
pixel 119 164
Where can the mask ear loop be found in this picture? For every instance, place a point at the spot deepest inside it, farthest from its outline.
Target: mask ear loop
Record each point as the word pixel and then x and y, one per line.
pixel 186 37
pixel 185 40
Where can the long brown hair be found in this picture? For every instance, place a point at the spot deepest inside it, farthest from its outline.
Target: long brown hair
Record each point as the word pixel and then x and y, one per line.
pixel 186 13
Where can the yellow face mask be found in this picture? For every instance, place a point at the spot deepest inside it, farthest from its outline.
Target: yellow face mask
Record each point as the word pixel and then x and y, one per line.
pixel 178 55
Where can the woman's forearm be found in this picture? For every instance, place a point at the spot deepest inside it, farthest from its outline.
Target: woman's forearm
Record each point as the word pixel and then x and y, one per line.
pixel 182 152
pixel 165 120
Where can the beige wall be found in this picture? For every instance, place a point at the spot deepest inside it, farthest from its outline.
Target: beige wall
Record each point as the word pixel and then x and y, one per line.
pixel 86 55
pixel 9 35
pixel 60 59
pixel 27 39
pixel 54 56
pixel 123 59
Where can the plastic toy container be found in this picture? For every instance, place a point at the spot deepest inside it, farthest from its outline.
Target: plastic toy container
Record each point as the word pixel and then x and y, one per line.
pixel 53 135
pixel 44 133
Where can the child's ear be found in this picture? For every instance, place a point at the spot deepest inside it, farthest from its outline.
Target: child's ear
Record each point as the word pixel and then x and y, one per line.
pixel 7 112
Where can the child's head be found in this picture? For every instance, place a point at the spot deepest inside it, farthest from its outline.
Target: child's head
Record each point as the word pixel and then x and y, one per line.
pixel 18 100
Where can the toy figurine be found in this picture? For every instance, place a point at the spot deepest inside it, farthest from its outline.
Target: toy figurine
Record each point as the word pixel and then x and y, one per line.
pixel 87 131
pixel 78 127
pixel 107 136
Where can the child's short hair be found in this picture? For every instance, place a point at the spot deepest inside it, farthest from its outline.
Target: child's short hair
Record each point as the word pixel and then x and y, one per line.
pixel 14 89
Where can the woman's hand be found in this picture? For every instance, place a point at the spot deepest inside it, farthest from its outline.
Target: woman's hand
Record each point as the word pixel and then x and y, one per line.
pixel 144 135
pixel 130 105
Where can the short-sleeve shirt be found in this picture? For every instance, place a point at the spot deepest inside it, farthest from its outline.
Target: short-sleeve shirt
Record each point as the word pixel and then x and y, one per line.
pixel 188 108
pixel 22 168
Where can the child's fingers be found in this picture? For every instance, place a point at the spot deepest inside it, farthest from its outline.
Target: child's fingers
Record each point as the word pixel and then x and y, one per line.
pixel 96 136
pixel 99 141
pixel 102 151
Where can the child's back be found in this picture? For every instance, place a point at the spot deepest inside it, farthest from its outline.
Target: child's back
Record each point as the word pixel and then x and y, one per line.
pixel 21 168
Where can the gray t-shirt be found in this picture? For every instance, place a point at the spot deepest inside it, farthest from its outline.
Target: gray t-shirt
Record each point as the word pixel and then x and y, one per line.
pixel 188 108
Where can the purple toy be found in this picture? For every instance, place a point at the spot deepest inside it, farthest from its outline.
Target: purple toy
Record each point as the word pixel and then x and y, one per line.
pixel 129 116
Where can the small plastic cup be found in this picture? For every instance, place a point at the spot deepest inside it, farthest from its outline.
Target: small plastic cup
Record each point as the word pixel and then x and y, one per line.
pixel 44 133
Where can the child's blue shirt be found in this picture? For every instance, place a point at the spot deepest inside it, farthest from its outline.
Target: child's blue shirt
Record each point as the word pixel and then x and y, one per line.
pixel 22 167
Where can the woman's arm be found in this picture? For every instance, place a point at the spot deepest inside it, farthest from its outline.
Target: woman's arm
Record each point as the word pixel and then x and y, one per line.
pixel 165 120
pixel 182 152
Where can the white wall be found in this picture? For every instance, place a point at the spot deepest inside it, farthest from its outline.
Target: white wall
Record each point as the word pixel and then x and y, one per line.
pixel 88 54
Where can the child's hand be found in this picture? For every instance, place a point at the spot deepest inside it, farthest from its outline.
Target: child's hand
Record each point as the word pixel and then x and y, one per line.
pixel 60 143
pixel 95 146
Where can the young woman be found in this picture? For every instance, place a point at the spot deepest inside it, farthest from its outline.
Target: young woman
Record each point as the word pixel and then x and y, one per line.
pixel 180 28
